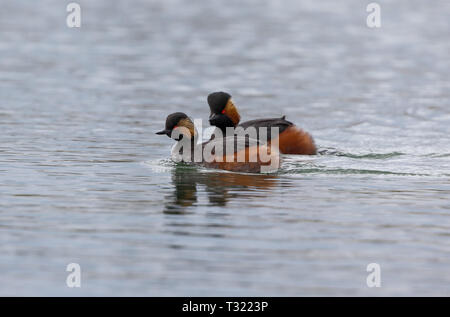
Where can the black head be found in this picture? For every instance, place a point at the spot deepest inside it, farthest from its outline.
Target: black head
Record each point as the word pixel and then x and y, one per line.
pixel 177 119
pixel 218 101
pixel 223 112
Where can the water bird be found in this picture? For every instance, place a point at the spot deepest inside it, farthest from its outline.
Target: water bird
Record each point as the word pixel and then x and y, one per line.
pixel 291 139
pixel 247 155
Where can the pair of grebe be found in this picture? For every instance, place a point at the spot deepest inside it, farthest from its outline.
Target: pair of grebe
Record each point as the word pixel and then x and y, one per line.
pixel 224 114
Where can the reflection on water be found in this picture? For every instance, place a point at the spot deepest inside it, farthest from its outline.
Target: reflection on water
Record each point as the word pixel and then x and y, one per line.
pixel 219 186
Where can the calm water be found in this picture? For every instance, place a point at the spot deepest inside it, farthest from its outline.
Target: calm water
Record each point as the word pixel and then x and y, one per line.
pixel 84 178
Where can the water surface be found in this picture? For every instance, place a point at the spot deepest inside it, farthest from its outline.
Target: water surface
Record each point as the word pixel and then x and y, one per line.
pixel 84 178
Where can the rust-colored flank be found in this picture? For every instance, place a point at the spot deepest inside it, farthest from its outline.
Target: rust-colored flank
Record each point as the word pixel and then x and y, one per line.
pixel 296 141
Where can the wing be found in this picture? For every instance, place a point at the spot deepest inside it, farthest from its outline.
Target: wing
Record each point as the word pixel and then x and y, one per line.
pixel 280 123
pixel 234 143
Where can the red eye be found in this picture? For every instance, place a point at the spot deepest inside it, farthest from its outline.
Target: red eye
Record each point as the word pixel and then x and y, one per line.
pixel 223 111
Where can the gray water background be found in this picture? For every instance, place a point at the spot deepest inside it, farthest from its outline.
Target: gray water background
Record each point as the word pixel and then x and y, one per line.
pixel 84 179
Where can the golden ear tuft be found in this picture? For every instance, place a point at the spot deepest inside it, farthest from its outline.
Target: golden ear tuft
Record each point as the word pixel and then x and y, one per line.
pixel 188 124
pixel 232 112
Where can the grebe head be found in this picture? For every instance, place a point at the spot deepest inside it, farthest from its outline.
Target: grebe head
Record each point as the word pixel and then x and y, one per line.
pixel 223 111
pixel 181 123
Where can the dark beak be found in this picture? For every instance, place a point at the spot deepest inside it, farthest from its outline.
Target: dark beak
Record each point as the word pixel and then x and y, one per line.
pixel 166 132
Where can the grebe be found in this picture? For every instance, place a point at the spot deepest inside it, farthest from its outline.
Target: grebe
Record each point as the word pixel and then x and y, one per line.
pixel 292 140
pixel 247 154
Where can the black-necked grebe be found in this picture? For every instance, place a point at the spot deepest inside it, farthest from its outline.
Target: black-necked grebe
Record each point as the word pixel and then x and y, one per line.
pixel 292 140
pixel 232 153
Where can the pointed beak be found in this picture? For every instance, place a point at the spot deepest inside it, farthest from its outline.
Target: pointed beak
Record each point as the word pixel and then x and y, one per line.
pixel 166 132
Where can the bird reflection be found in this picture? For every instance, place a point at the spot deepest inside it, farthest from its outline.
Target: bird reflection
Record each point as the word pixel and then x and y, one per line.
pixel 220 187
